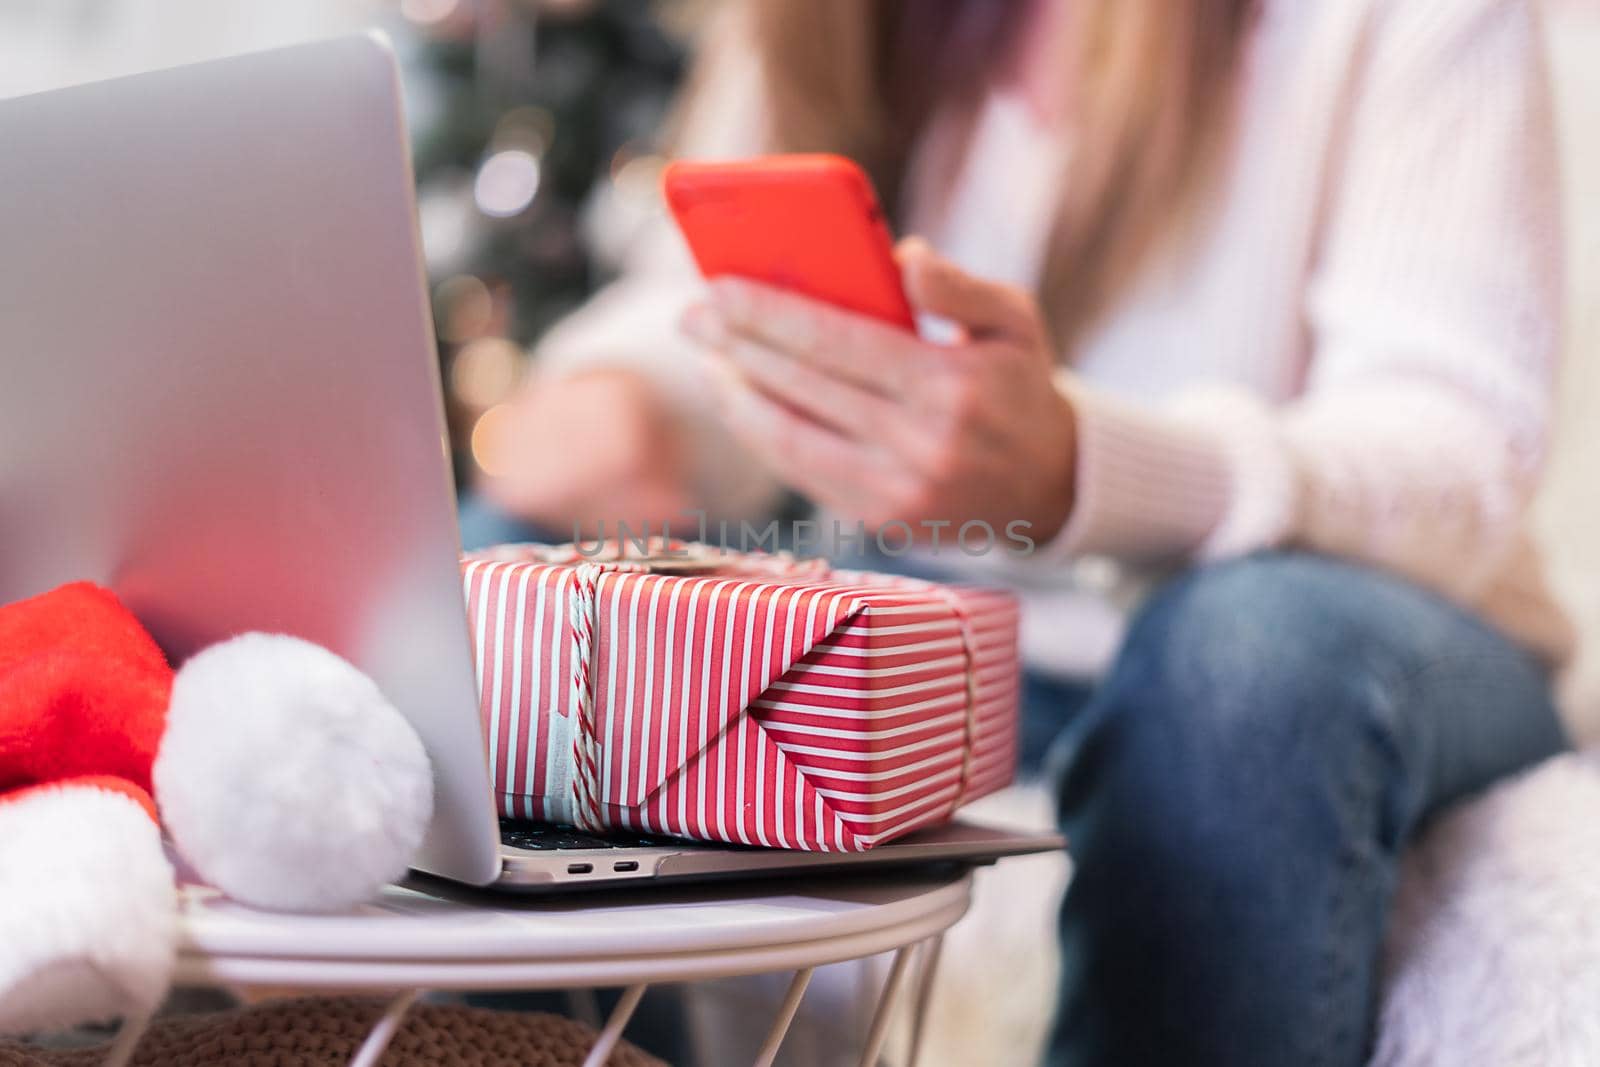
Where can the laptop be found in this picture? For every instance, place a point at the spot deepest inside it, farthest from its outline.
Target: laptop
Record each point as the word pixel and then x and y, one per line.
pixel 220 398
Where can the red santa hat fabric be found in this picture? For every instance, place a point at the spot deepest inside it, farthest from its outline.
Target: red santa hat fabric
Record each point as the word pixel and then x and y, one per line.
pixel 83 691
pixel 88 919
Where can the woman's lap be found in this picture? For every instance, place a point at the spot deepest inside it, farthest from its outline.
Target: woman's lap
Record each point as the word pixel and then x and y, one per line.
pixel 1238 789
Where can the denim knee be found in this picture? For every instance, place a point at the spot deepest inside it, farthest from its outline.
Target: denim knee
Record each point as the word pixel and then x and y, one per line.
pixel 1250 685
pixel 1238 796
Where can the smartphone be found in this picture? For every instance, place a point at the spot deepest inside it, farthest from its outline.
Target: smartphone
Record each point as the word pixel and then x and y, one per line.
pixel 810 224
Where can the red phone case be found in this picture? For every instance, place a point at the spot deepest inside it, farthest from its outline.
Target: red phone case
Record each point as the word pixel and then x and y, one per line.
pixel 806 223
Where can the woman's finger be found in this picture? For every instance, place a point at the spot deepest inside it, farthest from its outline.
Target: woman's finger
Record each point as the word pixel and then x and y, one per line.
pixel 863 351
pixel 986 310
pixel 846 408
pixel 832 470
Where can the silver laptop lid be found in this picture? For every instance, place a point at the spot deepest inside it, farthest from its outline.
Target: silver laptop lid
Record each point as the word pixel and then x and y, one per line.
pixel 219 392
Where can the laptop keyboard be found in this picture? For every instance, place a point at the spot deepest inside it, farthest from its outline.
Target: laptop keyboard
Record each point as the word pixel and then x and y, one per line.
pixel 550 837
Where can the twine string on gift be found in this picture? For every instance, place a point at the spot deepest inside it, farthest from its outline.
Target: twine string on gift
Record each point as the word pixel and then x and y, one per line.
pixel 578 794
pixel 586 812
pixel 969 653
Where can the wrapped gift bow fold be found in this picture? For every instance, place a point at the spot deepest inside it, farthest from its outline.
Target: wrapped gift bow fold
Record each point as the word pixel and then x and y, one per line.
pixel 747 698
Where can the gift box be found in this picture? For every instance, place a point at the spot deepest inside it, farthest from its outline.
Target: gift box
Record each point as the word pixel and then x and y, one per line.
pixel 745 698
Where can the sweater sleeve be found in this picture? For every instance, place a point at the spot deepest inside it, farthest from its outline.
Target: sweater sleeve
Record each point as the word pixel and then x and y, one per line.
pixel 1432 307
pixel 632 323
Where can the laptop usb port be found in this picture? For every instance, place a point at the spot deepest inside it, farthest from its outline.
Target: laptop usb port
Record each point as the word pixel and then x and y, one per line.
pixel 579 868
pixel 626 865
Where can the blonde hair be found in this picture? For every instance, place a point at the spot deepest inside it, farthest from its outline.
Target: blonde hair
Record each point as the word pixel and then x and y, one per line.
pixel 1149 88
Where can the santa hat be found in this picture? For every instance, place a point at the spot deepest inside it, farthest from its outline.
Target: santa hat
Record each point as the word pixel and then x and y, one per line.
pixel 95 729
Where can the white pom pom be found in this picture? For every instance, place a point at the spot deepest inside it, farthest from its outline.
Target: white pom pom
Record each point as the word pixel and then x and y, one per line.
pixel 71 949
pixel 286 779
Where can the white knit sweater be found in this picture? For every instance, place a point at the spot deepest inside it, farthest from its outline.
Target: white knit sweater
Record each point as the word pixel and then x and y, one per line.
pixel 1355 354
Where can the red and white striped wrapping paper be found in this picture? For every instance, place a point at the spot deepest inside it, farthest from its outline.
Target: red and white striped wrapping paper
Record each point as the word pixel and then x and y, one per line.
pixel 753 704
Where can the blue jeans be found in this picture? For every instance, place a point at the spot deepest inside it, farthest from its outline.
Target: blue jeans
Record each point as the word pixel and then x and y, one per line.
pixel 1237 793
pixel 483 526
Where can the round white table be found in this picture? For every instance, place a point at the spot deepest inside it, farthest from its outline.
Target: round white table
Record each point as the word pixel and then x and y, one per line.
pixel 423 937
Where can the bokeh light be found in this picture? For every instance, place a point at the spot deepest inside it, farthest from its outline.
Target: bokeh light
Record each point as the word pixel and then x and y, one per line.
pixel 485 371
pixel 488 445
pixel 507 183
pixel 464 308
pixel 448 219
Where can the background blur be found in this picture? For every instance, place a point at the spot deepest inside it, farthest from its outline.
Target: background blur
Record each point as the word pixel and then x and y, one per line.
pixel 536 125
pixel 537 128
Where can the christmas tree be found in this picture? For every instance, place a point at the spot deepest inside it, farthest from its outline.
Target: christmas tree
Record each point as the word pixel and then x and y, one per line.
pixel 527 117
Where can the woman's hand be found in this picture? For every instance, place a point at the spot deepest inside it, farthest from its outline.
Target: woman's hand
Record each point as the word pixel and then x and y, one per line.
pixel 870 421
pixel 572 453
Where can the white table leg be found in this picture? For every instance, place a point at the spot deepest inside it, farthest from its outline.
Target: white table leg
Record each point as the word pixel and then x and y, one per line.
pixel 780 1025
pixel 613 1032
pixel 122 1049
pixel 383 1031
pixel 880 1019
pixel 931 950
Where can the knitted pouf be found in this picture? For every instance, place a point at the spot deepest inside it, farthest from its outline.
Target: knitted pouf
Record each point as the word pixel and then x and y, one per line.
pixel 326 1032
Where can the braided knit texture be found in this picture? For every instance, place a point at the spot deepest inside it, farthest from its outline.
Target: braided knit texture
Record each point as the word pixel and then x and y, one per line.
pixel 326 1032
